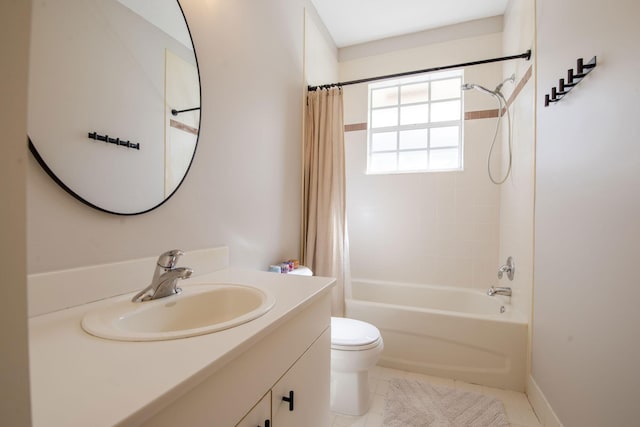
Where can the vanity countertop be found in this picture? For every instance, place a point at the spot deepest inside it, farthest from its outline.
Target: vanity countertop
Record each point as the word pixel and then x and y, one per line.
pixel 81 380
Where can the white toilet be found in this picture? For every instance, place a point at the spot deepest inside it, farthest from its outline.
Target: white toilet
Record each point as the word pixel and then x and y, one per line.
pixel 355 348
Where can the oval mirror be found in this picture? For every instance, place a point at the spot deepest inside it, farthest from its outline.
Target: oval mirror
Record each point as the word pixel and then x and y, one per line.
pixel 114 100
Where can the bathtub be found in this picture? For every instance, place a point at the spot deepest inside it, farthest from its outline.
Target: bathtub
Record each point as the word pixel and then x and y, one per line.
pixel 448 332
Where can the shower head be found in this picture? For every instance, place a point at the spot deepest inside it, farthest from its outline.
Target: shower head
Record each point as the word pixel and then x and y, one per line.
pixel 468 86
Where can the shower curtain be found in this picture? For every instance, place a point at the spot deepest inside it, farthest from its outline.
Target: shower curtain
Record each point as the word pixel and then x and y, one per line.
pixel 325 247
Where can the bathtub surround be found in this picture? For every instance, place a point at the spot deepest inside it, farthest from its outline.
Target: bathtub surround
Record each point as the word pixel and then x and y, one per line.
pixel 412 402
pixel 434 228
pixel 441 229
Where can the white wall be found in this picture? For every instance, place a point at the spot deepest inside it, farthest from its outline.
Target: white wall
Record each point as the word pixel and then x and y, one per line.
pixel 517 193
pixel 586 293
pixel 243 189
pixel 438 227
pixel 320 52
pixel 14 361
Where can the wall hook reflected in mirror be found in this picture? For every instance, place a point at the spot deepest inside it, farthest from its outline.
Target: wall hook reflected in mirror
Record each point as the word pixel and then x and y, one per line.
pixel 116 141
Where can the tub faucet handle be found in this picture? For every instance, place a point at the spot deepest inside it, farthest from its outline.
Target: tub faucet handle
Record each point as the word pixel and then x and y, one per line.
pixel 509 268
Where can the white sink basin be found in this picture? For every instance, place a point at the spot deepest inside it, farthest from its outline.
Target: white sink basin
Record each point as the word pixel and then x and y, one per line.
pixel 198 310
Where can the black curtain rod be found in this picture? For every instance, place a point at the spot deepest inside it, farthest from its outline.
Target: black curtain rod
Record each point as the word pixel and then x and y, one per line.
pixel 526 55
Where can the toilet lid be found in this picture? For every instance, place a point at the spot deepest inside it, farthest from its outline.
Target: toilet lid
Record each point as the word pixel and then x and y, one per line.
pixel 352 333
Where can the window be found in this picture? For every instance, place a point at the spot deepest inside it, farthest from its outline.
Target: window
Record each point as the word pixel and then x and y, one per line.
pixel 415 124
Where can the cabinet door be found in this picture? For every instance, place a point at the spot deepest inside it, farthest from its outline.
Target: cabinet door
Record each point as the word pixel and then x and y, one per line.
pixel 309 380
pixel 260 415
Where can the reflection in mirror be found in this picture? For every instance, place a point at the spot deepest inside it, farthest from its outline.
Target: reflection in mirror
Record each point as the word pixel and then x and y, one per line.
pixel 104 78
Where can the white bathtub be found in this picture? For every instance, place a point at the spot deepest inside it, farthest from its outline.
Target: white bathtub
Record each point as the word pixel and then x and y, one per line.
pixel 443 331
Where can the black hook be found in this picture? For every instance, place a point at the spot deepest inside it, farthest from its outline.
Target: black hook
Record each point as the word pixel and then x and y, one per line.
pixel 175 112
pixel 573 78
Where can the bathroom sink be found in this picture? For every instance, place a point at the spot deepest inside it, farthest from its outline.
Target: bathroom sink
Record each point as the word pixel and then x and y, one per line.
pixel 197 310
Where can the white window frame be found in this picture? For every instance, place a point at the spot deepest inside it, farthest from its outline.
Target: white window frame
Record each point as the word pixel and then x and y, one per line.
pixel 398 83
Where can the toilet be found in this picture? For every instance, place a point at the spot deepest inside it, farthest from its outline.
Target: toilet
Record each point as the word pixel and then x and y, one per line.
pixel 355 349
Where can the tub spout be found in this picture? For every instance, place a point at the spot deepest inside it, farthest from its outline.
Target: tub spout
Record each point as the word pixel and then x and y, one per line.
pixel 499 290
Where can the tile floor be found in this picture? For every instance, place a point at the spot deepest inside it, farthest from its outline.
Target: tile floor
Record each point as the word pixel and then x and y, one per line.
pixel 516 404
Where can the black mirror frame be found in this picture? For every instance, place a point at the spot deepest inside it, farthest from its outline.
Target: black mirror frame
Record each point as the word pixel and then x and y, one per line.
pixel 75 195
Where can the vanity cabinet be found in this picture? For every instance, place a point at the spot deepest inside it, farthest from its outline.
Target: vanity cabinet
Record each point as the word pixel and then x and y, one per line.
pixel 260 415
pixel 299 398
pixel 310 390
pixel 248 390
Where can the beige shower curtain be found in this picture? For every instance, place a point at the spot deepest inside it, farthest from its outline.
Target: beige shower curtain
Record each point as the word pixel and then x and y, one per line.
pixel 325 247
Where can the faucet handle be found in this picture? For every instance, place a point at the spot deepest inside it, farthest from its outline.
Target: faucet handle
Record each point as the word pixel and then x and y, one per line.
pixel 169 259
pixel 509 268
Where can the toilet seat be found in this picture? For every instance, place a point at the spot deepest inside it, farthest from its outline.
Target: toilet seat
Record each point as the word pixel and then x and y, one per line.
pixel 353 335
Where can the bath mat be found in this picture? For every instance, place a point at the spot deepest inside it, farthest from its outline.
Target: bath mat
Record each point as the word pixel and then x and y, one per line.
pixel 412 403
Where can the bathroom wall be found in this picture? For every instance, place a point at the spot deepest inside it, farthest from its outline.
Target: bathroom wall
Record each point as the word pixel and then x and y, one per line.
pixel 320 51
pixel 516 194
pixel 14 360
pixel 243 190
pixel 437 227
pixel 587 238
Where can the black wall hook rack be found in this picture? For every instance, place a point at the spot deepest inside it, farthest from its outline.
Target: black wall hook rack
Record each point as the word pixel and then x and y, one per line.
pixel 573 78
pixel 116 141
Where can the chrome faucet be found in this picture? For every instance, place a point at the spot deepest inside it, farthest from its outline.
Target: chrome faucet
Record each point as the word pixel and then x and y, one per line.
pixel 165 277
pixel 499 290
pixel 509 268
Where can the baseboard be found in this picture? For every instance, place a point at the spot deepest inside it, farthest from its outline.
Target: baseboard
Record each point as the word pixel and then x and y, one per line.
pixel 541 406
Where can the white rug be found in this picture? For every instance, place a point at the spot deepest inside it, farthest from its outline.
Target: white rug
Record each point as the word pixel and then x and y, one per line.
pixel 412 403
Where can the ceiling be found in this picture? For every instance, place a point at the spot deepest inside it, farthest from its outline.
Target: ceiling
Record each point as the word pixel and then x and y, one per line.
pixel 358 21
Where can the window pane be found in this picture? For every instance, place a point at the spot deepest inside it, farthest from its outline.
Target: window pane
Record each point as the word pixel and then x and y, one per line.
pixel 415 124
pixel 413 139
pixel 412 160
pixel 382 162
pixel 446 89
pixel 444 159
pixel 414 93
pixel 384 141
pixel 445 136
pixel 384 117
pixel 414 114
pixel 384 97
pixel 445 111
